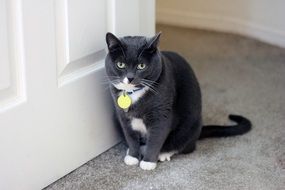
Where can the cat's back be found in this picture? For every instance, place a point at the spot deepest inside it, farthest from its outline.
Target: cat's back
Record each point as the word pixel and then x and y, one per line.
pixel 186 84
pixel 173 57
pixel 179 66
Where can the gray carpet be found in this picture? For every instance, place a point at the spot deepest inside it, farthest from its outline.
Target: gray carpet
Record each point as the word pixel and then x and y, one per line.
pixel 237 75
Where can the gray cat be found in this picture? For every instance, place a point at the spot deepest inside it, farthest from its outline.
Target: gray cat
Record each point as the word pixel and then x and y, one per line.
pixel 158 101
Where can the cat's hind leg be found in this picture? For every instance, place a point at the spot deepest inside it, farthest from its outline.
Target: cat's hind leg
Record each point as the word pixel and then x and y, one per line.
pixel 182 140
pixel 166 156
pixel 190 147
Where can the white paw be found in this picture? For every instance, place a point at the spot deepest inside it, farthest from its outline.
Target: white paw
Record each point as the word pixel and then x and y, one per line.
pixel 147 165
pixel 129 160
pixel 165 156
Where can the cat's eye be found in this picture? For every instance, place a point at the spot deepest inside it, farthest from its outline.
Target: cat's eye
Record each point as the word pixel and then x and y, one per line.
pixel 141 66
pixel 121 65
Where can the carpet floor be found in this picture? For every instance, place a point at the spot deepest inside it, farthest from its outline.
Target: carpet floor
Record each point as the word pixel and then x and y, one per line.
pixel 237 75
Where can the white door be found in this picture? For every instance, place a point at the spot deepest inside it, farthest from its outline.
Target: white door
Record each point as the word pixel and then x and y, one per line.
pixel 53 116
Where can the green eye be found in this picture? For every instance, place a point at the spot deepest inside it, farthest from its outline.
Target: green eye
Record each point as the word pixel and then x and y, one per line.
pixel 121 65
pixel 141 66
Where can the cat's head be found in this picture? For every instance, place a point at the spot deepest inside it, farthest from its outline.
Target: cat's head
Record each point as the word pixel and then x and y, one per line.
pixel 132 62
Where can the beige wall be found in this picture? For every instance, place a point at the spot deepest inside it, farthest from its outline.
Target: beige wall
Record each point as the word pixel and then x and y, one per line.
pixel 261 19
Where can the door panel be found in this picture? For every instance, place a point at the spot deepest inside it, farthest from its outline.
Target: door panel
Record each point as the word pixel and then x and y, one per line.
pixel 80 30
pixel 4 55
pixel 12 81
pixel 85 37
pixel 53 110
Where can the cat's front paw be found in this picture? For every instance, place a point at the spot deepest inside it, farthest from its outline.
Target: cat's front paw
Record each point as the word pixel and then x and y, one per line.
pixel 130 160
pixel 147 165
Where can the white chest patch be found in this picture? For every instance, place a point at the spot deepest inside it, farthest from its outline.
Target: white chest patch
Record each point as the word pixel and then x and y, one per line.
pixel 138 125
pixel 135 96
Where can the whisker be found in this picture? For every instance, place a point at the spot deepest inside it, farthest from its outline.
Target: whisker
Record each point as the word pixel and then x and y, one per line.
pixel 146 80
pixel 107 88
pixel 150 85
pixel 109 81
pixel 151 88
pixel 153 91
pixel 110 77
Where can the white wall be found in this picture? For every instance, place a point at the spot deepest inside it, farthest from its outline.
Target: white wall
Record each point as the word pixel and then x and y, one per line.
pixel 261 19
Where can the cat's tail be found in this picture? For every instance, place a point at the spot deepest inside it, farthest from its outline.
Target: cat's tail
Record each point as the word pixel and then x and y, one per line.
pixel 243 126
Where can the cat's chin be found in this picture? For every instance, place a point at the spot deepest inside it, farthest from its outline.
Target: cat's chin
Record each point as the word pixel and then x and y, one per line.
pixel 125 87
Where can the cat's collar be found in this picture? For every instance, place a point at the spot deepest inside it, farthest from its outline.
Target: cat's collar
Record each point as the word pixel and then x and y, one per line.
pixel 135 90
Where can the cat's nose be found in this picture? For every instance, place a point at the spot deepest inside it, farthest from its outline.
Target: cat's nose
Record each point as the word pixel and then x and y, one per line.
pixel 130 76
pixel 130 79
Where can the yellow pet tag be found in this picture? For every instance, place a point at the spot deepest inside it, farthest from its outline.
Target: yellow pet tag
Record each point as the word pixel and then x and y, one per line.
pixel 124 101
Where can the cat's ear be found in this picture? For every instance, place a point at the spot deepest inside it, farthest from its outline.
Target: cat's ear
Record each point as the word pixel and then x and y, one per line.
pixel 153 43
pixel 112 42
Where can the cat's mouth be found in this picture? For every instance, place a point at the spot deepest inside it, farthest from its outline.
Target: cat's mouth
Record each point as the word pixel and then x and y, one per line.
pixel 127 87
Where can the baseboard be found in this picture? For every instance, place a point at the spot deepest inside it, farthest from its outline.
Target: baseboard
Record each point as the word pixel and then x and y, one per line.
pixel 219 23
